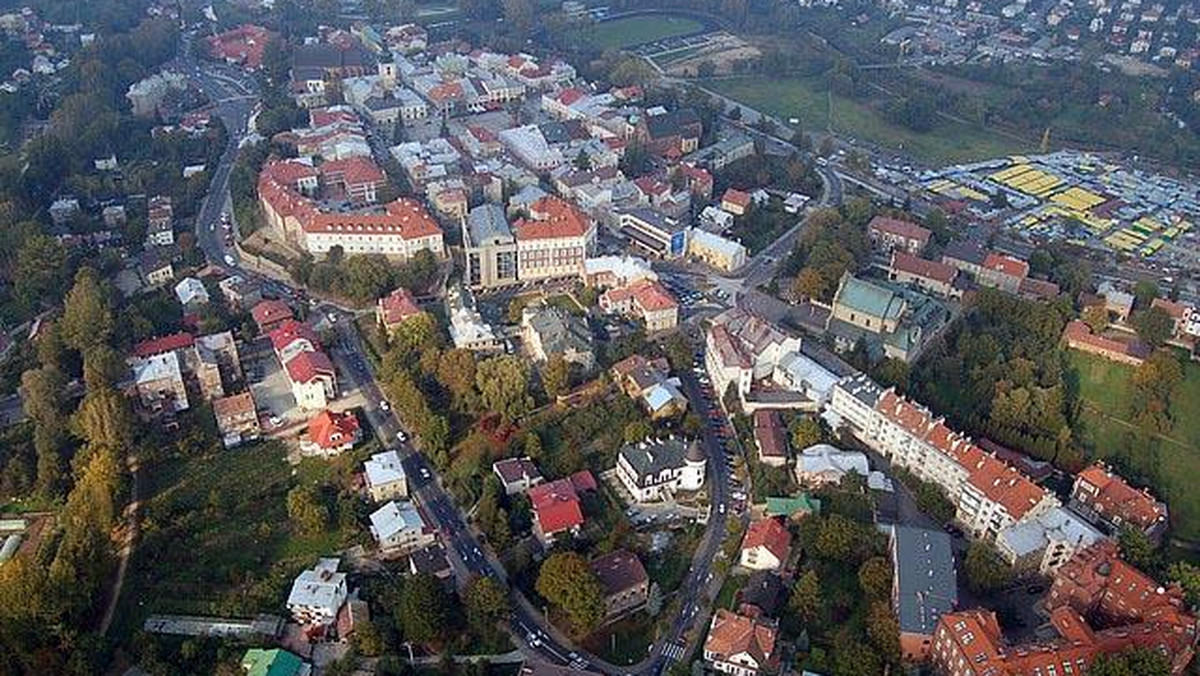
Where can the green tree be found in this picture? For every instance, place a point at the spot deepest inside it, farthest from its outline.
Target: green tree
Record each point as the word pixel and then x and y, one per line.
pixel 423 609
pixel 636 431
pixel 503 386
pixel 305 509
pixel 805 602
pixel 41 396
pixel 104 419
pixel 1187 576
pixel 486 602
pixel 456 372
pixel 1144 293
pixel 556 376
pixel 838 538
pixel 87 320
pixel 1136 662
pixel 985 570
pixel 855 658
pixel 102 367
pixel 805 431
pixel 416 333
pixel 533 444
pixel 566 580
pixel 1096 317
pixel 40 269
pixel 875 577
pixel 883 630
pixel 1137 548
pixel 1154 326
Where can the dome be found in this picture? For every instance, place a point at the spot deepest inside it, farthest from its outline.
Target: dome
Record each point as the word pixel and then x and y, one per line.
pixel 695 453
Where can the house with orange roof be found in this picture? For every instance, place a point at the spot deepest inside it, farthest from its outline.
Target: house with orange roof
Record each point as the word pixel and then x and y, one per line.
pixel 1002 272
pixel 1105 498
pixel 741 645
pixel 645 299
pixel 556 510
pixel 736 202
pixel 395 308
pixel 766 545
pixel 928 276
pixel 1079 336
pixel 553 240
pixel 331 433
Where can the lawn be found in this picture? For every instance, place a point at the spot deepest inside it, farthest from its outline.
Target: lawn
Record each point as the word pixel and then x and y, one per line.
pixel 1173 459
pixel 637 30
pixel 808 100
pixel 626 641
pixel 216 536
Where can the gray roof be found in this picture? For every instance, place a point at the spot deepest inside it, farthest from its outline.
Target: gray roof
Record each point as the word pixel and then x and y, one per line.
pixel 657 220
pixel 862 388
pixel 487 225
pixel 1058 524
pixel 650 458
pixel 560 332
pixel 923 563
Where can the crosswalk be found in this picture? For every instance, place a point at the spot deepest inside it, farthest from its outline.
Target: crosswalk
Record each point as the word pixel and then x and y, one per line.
pixel 673 651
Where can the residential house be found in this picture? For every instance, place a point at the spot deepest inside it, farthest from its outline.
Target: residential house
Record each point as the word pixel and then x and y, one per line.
pixel 616 271
pixel 237 418
pixel 623 580
pixel 331 433
pixel 1045 541
pixel 890 234
pixel 743 349
pixel 763 595
pixel 736 202
pixel 191 294
pixel 1104 497
pixel 216 363
pixel 468 330
pixel 395 308
pixel 715 220
pixel 517 475
pixel 766 545
pixel 432 561
pixel 740 645
pixel 924 586
pixel 156 267
pixel 240 294
pixel 646 381
pixel 385 476
pixel 653 470
pixel 965 255
pixel 556 510
pixel 549 330
pixel 1002 272
pixel 159 383
pixel 313 379
pixel 821 465
pixel 399 528
pixel 770 438
pixel 270 315
pixel 926 275
pixel 647 300
pixel 318 594
pixel 1078 336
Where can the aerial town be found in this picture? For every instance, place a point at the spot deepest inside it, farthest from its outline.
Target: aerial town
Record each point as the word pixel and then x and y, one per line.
pixel 536 338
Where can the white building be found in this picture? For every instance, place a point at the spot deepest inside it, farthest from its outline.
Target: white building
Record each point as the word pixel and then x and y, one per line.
pixel 191 293
pixel 723 254
pixel 399 528
pixel 1046 540
pixel 385 476
pixel 823 464
pixel 318 594
pixel 652 470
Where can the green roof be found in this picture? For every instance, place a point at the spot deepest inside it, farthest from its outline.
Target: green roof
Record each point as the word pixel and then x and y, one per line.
pixel 789 506
pixel 871 299
pixel 274 662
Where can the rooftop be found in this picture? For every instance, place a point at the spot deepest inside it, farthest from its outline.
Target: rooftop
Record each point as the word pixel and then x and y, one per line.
pixel 926 577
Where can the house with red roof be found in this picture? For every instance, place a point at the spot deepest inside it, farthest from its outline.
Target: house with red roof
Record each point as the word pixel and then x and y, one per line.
pixel 929 276
pixel 1002 272
pixel 358 178
pixel 736 202
pixel 291 338
pixel 331 433
pixel 556 510
pixel 242 46
pixel 1104 497
pixel 395 308
pixel 554 240
pixel 645 299
pixel 269 314
pixel 313 379
pixel 175 342
pixel 1079 336
pixel 766 545
pixel 741 645
pixel 889 234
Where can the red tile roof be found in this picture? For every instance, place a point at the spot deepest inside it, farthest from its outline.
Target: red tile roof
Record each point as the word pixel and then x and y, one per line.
pixel 330 430
pixel 1004 485
pixel 1175 309
pixel 899 228
pixel 244 44
pixel 270 312
pixel 913 265
pixel 1079 335
pixel 175 341
pixel 289 172
pixel 556 506
pixel 405 217
pixel 583 481
pixel 771 534
pixel 1110 496
pixel 354 171
pixel 732 634
pixel 306 367
pixel 768 433
pixel 1013 267
pixel 735 196
pixel 290 331
pixel 398 306
pixel 551 218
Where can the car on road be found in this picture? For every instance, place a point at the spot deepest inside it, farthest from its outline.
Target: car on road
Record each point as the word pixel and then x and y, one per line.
pixel 332 317
pixel 276 421
pixel 401 436
pixel 229 261
pixel 425 474
pixel 384 406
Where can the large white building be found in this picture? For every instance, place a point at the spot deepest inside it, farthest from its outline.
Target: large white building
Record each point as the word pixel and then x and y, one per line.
pixel 318 594
pixel 554 241
pixel 399 528
pixel 652 470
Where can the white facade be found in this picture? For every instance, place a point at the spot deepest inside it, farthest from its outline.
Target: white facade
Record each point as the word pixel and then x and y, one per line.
pixel 355 241
pixel 398 528
pixel 318 594
pixel 653 470
pixel 385 476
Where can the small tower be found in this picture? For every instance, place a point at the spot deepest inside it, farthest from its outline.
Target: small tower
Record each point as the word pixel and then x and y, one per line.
pixel 694 464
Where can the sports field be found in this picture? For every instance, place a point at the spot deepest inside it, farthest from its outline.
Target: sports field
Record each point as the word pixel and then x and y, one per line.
pixel 1105 429
pixel 637 30
pixel 808 100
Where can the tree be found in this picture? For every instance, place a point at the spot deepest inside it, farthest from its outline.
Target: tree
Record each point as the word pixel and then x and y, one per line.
pixel 1154 326
pixel 1137 549
pixel 805 431
pixel 809 283
pixel 503 386
pixel 486 602
pixel 875 577
pixel 637 431
pixel 805 602
pixel 1096 317
pixel 1135 662
pixel 1187 576
pixel 1144 293
pixel 855 658
pixel 519 15
pixel 422 611
pixel 87 318
pixel 416 333
pixel 533 445
pixel 884 630
pixel 41 391
pixel 456 372
pixel 305 509
pixel 566 580
pixel 985 570
pixel 838 538
pixel 40 269
pixel 654 600
pixel 104 419
pixel 556 376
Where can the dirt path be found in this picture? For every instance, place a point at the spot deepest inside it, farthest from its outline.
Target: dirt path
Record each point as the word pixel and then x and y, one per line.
pixel 133 514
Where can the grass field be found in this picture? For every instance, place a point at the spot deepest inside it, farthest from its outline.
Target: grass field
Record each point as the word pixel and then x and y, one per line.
pixel 1174 458
pixel 636 30
pixel 806 99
